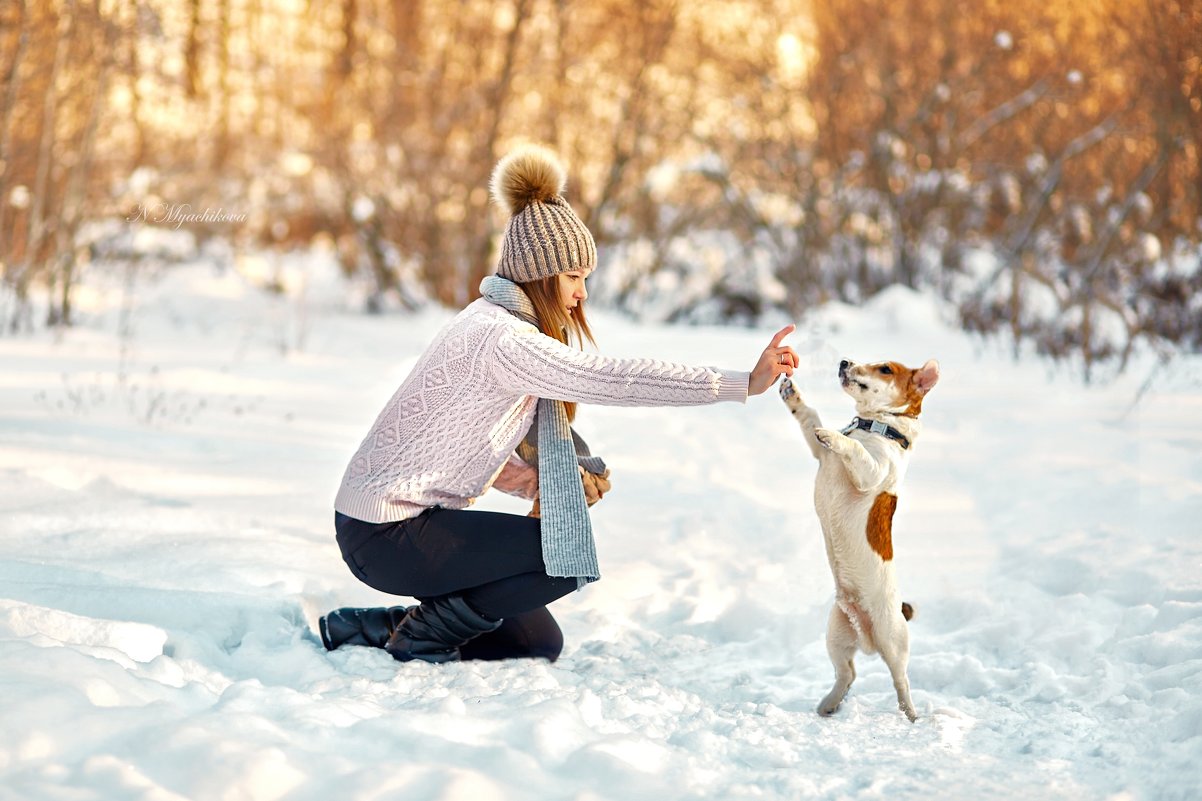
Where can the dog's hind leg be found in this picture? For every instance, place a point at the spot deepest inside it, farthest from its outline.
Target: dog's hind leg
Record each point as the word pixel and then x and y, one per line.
pixel 893 643
pixel 841 640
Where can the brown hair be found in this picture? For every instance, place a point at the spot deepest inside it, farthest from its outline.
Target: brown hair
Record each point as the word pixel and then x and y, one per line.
pixel 554 320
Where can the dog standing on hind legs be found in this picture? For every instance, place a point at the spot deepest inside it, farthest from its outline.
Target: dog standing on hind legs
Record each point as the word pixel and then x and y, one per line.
pixel 860 470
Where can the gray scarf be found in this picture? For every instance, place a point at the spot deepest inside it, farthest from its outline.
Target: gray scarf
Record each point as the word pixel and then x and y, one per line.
pixel 567 532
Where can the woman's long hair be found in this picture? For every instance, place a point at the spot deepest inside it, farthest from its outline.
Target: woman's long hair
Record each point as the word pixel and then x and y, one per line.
pixel 554 320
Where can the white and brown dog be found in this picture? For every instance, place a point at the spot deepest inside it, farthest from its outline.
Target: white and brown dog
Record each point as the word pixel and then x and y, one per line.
pixel 860 470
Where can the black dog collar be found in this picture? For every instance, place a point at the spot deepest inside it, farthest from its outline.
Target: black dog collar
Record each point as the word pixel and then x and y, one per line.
pixel 877 427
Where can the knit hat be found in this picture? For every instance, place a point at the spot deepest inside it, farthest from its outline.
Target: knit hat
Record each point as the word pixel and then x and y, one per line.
pixel 544 237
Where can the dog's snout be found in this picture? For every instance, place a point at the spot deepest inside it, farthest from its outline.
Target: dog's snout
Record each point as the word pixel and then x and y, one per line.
pixel 843 365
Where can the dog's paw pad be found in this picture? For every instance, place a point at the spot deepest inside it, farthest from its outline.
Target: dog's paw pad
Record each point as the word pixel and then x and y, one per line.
pixel 789 394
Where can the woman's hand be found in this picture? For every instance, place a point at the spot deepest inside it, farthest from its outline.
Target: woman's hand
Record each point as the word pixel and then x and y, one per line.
pixel 775 361
pixel 595 485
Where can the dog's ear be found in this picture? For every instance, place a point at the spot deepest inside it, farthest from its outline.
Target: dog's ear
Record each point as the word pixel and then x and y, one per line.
pixel 926 376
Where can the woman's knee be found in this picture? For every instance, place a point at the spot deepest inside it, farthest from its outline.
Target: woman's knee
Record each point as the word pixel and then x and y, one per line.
pixel 528 635
pixel 543 635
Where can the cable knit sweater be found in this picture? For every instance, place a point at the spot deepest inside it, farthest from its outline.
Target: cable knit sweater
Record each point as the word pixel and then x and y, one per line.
pixel 450 430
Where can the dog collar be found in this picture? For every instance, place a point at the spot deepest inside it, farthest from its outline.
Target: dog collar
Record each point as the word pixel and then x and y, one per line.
pixel 877 427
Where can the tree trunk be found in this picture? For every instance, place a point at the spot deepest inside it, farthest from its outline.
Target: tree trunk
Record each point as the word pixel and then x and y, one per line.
pixel 222 150
pixel 479 266
pixel 37 228
pixel 76 192
pixel 346 57
pixel 140 154
pixel 192 51
pixel 12 80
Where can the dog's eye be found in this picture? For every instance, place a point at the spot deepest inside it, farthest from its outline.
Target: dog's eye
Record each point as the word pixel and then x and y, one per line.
pixel 886 370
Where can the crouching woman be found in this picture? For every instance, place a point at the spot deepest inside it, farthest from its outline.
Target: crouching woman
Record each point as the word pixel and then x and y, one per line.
pixel 489 404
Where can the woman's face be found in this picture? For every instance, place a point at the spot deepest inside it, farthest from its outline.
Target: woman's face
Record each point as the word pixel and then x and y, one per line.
pixel 571 288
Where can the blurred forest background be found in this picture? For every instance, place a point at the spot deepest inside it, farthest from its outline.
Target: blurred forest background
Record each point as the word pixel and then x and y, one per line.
pixel 1034 162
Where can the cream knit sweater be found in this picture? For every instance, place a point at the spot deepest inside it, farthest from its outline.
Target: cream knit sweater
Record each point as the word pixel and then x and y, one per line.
pixel 450 430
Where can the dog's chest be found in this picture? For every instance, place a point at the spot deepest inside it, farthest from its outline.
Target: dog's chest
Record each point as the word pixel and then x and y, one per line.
pixel 852 518
pixel 833 486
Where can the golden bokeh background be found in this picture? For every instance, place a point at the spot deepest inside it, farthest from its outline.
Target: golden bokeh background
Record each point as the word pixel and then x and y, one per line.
pixel 849 146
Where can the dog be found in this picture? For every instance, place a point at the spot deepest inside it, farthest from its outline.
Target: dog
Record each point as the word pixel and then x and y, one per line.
pixel 860 470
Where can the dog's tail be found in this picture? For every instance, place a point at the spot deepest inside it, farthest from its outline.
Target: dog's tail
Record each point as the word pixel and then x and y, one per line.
pixel 907 611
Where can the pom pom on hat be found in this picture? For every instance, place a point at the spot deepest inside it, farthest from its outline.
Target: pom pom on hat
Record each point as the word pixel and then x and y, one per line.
pixel 530 174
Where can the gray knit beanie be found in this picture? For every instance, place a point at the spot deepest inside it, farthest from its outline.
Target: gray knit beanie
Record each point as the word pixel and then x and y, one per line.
pixel 544 236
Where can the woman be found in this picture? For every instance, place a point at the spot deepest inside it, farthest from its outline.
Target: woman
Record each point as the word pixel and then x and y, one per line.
pixel 489 404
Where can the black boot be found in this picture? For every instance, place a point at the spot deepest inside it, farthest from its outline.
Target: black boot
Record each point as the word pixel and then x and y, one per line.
pixel 350 626
pixel 433 631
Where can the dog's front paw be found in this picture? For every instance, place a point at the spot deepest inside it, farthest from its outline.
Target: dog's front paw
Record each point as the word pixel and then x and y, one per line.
pixel 826 438
pixel 789 394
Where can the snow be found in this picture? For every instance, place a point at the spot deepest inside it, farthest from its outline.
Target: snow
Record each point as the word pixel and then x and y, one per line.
pixel 166 546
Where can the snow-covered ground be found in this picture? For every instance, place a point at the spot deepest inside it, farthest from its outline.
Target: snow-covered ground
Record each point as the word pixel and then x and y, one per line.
pixel 166 546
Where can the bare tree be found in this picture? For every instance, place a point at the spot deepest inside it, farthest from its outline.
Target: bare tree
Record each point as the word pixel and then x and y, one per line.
pixel 12 83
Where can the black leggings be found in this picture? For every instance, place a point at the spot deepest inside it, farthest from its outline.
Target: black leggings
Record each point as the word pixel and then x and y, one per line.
pixel 493 560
